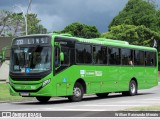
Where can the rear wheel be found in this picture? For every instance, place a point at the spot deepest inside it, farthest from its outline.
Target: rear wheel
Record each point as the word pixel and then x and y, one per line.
pixel 43 99
pixel 78 92
pixel 102 95
pixel 132 89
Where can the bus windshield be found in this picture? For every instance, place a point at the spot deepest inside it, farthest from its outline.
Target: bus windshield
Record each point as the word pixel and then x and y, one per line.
pixel 30 59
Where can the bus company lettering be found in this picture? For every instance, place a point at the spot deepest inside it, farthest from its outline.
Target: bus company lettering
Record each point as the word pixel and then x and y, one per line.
pixel 98 73
pixel 90 73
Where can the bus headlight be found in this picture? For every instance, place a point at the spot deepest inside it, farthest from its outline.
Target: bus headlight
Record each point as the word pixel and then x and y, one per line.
pixel 46 82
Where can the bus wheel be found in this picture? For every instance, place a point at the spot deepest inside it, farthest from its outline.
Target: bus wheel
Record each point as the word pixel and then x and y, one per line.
pixel 43 99
pixel 132 89
pixel 78 92
pixel 102 95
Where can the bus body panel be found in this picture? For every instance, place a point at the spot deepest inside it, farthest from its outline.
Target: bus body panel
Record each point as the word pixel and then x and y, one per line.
pixel 98 79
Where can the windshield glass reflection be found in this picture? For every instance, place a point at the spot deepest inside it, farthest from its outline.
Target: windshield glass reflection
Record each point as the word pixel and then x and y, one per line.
pixel 31 59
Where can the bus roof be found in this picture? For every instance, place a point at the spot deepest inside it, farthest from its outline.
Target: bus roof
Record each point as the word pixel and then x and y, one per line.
pixel 108 42
pixel 99 41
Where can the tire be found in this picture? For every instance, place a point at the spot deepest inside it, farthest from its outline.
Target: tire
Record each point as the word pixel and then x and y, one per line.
pixel 132 89
pixel 43 99
pixel 78 92
pixel 102 95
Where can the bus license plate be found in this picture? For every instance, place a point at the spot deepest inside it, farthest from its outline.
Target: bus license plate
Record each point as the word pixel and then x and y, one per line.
pixel 24 94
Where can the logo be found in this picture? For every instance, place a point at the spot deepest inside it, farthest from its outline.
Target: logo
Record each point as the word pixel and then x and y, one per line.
pixel 28 70
pixel 6 114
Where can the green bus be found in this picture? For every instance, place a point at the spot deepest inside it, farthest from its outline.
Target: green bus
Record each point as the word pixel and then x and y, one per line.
pixel 49 65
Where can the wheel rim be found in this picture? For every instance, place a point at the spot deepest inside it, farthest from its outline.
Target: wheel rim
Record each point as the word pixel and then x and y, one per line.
pixel 77 92
pixel 133 88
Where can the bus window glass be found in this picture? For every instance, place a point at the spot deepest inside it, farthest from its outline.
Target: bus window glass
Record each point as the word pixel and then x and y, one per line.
pixel 57 56
pixel 104 54
pixel 114 56
pixel 66 52
pixel 139 57
pixel 83 54
pixel 127 57
pixel 150 59
pixel 99 55
pixel 31 59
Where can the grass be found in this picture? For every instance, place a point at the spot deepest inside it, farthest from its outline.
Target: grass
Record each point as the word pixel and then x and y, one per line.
pixel 6 97
pixel 145 108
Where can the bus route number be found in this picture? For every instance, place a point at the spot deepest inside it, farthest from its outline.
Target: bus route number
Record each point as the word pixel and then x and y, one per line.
pixel 19 42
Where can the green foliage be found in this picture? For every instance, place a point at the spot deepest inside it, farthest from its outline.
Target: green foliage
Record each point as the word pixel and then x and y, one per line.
pixel 81 30
pixel 13 24
pixel 33 25
pixel 138 23
pixel 138 35
pixel 138 12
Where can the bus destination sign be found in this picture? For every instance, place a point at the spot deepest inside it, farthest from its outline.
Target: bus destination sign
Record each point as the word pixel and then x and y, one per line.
pixel 31 40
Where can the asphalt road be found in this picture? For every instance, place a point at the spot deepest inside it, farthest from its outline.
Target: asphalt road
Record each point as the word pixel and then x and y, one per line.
pixel 114 102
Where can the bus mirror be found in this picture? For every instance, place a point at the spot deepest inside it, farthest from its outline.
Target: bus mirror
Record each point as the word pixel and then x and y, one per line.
pixel 62 56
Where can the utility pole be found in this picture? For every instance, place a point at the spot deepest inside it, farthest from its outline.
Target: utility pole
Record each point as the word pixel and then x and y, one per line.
pixel 25 15
pixel 25 18
pixel 30 1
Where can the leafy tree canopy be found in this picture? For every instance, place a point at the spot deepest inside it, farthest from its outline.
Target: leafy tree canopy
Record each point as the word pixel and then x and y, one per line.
pixel 13 24
pixel 138 35
pixel 81 30
pixel 138 23
pixel 138 12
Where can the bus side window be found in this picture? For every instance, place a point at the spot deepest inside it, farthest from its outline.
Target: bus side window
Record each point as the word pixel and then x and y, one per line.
pixel 97 55
pixel 66 52
pixel 127 56
pixel 83 54
pixel 150 59
pixel 114 56
pixel 57 56
pixel 139 58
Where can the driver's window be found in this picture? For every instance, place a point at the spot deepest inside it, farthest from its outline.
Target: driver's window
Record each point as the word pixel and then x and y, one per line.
pixel 56 56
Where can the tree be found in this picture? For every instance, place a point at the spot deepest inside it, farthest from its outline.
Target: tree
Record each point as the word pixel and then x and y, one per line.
pixel 13 24
pixel 138 23
pixel 4 16
pixel 34 26
pixel 81 30
pixel 138 12
pixel 138 35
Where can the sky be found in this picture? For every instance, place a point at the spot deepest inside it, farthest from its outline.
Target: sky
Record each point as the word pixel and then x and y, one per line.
pixel 57 14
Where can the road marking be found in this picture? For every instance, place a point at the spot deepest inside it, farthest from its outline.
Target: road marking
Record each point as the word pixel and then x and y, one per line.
pixel 116 105
pixel 158 99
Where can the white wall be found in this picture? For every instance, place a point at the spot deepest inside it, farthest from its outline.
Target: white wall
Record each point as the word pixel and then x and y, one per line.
pixel 4 71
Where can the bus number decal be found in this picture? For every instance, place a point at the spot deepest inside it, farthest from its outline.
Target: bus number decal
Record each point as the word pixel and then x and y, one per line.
pixel 19 42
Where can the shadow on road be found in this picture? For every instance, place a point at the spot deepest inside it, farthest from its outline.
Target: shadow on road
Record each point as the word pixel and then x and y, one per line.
pixel 86 98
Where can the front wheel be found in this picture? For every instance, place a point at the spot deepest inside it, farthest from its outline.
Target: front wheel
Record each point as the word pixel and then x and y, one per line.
pixel 43 99
pixel 78 92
